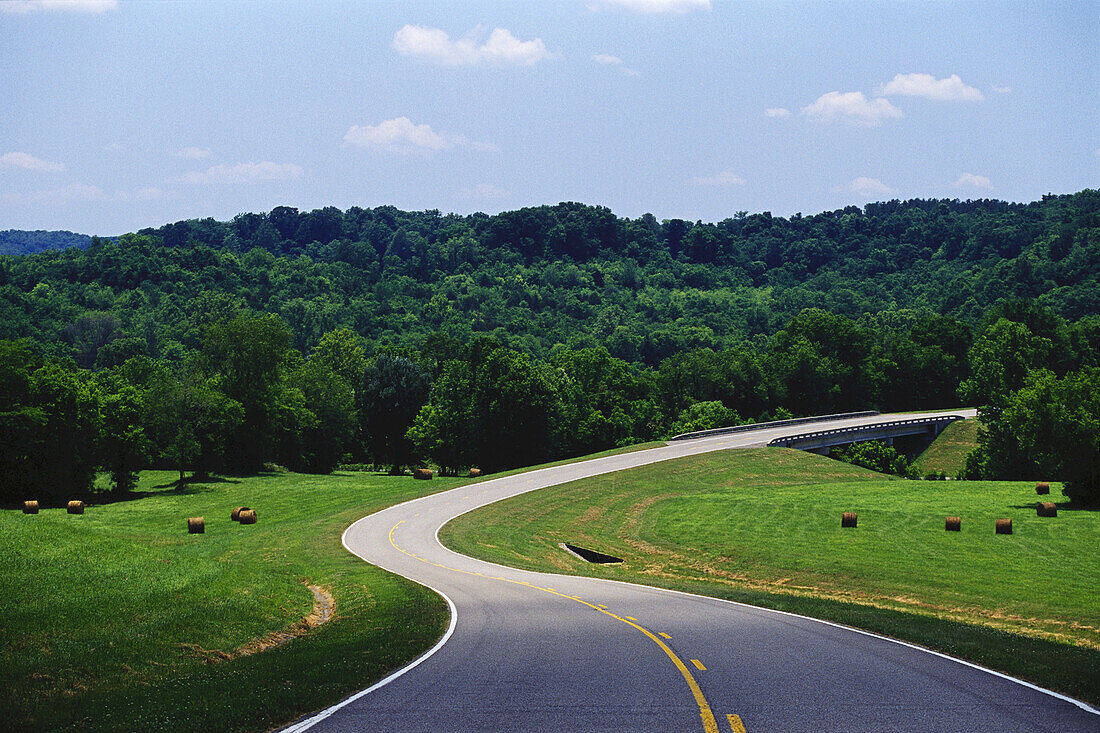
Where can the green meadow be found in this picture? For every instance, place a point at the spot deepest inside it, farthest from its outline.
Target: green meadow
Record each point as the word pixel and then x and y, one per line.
pixel 118 619
pixel 763 526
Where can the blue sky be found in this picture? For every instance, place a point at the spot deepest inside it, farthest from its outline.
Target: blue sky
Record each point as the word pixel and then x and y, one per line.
pixel 121 115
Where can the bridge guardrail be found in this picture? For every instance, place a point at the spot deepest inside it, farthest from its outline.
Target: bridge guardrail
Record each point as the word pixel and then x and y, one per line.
pixel 870 428
pixel 772 424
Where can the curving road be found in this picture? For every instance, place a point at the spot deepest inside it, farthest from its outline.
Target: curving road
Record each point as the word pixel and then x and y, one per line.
pixel 536 652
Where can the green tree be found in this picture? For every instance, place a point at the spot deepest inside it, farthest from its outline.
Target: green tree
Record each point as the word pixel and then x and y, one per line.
pixel 392 393
pixel 877 456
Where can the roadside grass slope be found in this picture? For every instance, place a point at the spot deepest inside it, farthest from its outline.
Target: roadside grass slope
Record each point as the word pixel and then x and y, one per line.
pixel 949 450
pixel 119 620
pixel 762 526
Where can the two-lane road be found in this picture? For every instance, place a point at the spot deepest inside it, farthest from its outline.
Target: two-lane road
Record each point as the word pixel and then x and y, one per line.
pixel 538 652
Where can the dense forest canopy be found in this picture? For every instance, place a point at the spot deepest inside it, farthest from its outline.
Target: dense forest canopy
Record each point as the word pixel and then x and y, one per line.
pixel 312 338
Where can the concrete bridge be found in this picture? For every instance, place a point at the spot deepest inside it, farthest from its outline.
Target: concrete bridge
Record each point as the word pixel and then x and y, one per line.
pixel 919 429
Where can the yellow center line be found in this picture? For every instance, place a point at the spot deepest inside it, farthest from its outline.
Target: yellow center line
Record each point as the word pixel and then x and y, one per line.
pixel 631 618
pixel 663 635
pixel 710 724
pixel 698 665
pixel 736 726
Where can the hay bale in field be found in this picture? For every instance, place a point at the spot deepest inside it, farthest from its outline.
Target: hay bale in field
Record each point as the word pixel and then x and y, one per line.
pixel 1004 526
pixel 247 516
pixel 196 525
pixel 235 515
pixel 952 524
pixel 848 519
pixel 30 507
pixel 1046 509
pixel 76 506
pixel 1042 488
pixel 424 474
pixel 475 472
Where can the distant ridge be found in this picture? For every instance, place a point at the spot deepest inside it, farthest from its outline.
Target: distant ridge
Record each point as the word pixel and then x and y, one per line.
pixel 20 242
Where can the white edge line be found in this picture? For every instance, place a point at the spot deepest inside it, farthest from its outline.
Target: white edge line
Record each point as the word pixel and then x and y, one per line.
pixel 318 717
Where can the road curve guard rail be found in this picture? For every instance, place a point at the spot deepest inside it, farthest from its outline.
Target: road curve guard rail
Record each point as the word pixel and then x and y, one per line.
pixel 872 431
pixel 772 424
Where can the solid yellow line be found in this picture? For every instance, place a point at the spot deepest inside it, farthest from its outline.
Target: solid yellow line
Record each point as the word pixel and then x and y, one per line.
pixel 698 665
pixel 710 724
pixel 735 723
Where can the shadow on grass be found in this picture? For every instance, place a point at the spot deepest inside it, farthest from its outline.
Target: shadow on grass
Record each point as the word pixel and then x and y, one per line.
pixel 1062 506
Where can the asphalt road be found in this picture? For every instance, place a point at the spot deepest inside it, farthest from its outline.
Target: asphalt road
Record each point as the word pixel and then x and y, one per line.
pixel 538 652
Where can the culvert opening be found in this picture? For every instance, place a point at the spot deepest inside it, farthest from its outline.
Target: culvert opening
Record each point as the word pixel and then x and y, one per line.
pixel 590 555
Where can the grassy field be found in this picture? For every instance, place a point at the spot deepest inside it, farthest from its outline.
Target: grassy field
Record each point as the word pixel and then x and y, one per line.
pixel 120 620
pixel 763 526
pixel 948 452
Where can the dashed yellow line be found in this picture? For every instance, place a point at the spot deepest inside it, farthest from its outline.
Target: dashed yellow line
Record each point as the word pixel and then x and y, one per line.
pixel 736 726
pixel 710 724
pixel 663 635
pixel 698 665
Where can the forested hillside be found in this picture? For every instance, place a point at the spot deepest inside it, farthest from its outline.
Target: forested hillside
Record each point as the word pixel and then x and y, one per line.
pixel 16 242
pixel 311 338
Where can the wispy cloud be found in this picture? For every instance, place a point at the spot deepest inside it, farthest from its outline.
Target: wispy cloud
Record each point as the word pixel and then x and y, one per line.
pixel 656 6
pixel 402 135
pixel 74 192
pixel 948 89
pixel 243 173
pixel 866 187
pixel 725 178
pixel 193 153
pixel 777 112
pixel 851 108
pixel 21 7
pixel 606 59
pixel 500 49
pixel 26 161
pixel 970 180
pixel 1002 90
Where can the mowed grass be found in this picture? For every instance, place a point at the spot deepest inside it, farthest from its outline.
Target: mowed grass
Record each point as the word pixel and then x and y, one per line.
pixel 120 620
pixel 763 526
pixel 949 450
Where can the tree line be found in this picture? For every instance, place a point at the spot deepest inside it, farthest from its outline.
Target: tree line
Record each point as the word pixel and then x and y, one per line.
pixel 247 398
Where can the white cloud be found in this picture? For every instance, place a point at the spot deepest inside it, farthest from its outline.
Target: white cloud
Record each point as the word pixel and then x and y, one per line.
pixel 72 192
pixel 193 153
pixel 777 112
pixel 725 178
pixel 485 191
pixel 26 161
pixel 948 89
pixel 867 187
pixel 969 180
pixel 21 7
pixel 852 108
pixel 402 135
pixel 658 6
pixel 501 49
pixel 242 173
pixel 609 60
pixel 1001 90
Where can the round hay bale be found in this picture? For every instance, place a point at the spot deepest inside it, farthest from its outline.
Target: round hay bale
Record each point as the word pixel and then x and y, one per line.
pixel 475 472
pixel 247 516
pixel 952 524
pixel 235 515
pixel 424 474
pixel 848 519
pixel 1042 488
pixel 1004 526
pixel 196 525
pixel 30 507
pixel 1046 509
pixel 76 506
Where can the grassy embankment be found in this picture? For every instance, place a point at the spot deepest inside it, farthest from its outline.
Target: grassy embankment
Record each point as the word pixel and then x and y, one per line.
pixel 762 526
pixel 120 620
pixel 948 452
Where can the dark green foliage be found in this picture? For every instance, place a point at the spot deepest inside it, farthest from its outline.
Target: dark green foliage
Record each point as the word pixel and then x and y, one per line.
pixel 393 391
pixel 877 456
